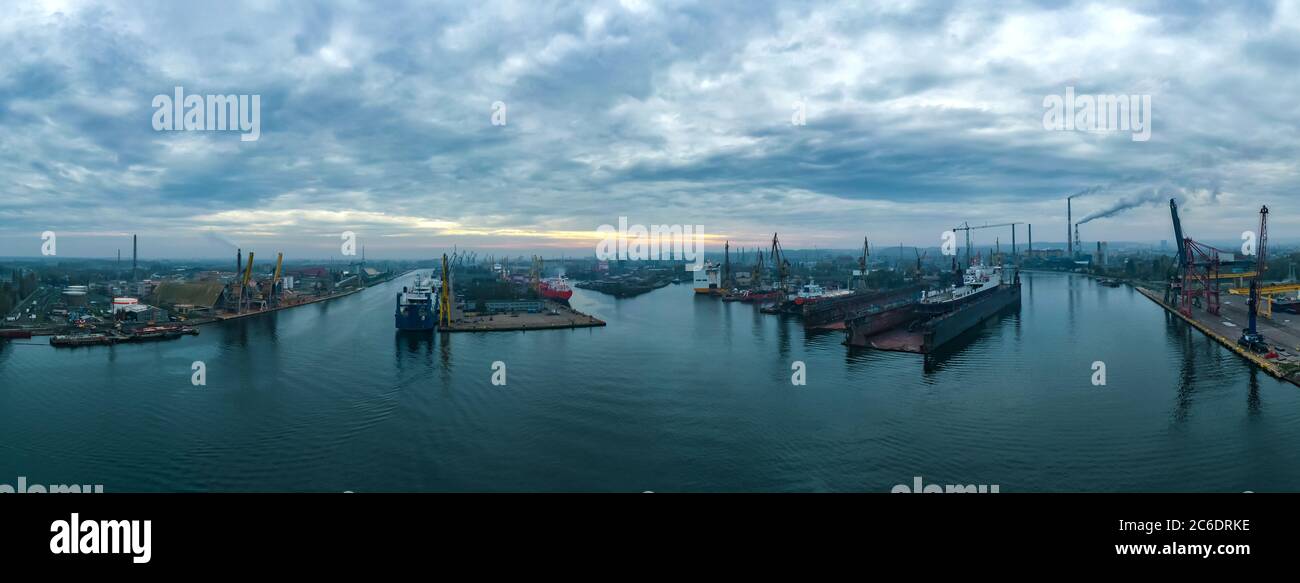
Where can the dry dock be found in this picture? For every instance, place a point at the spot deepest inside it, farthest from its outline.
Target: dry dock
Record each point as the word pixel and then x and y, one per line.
pixel 555 317
pixel 1279 331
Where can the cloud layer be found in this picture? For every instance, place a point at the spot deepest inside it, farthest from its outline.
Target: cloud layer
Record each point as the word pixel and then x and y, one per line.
pixel 376 119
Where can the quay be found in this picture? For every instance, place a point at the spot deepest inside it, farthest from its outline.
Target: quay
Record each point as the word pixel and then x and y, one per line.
pixel 1227 326
pixel 554 317
pixel 315 300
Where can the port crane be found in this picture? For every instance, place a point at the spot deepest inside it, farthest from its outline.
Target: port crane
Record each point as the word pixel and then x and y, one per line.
pixel 445 296
pixel 965 226
pixel 1196 279
pixel 535 275
pixel 779 263
pixel 727 283
pixel 1174 290
pixel 243 283
pixel 1251 338
pixel 861 273
pixel 275 291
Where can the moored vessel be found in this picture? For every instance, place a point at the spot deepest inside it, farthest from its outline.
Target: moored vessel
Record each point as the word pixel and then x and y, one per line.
pixel 417 307
pixel 985 292
pixel 811 293
pixel 555 288
pixel 706 279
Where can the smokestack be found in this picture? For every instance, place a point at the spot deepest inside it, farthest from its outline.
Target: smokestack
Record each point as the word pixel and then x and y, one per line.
pixel 1031 237
pixel 135 250
pixel 1069 224
pixel 1013 242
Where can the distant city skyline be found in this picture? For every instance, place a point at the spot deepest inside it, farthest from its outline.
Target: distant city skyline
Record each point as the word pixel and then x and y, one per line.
pixel 519 128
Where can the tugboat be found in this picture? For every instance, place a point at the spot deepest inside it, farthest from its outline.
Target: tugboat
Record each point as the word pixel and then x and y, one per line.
pixel 417 307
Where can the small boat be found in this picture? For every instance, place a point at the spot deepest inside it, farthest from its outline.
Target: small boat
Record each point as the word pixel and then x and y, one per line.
pixel 736 296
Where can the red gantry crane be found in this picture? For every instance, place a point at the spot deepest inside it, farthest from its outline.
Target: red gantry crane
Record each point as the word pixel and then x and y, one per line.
pixel 1197 283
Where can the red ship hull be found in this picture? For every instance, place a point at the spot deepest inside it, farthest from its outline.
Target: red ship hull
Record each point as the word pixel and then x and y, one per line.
pixel 551 293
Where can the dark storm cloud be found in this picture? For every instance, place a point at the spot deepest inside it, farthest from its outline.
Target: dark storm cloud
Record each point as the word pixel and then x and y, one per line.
pixel 918 116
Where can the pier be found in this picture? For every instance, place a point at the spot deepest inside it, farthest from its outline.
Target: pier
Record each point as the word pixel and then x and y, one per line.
pixel 554 317
pixel 1226 327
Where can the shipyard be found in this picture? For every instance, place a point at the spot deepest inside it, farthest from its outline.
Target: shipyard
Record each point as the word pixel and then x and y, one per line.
pixel 780 247
pixel 888 301
pixel 895 298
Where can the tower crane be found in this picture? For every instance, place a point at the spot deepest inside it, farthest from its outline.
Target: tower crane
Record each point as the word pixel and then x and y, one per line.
pixel 966 227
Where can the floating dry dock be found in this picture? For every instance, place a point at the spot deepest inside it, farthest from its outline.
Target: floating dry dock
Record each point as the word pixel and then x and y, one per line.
pixel 1226 328
pixel 554 317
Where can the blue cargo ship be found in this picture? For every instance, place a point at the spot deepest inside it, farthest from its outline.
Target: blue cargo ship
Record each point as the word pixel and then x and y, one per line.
pixel 417 306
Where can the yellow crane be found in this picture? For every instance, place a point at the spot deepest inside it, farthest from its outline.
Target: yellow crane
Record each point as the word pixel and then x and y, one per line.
pixel 535 275
pixel 275 280
pixel 445 297
pixel 243 283
pixel 1266 294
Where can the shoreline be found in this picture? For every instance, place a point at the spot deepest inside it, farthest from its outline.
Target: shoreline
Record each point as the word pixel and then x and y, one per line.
pixel 231 317
pixel 1269 366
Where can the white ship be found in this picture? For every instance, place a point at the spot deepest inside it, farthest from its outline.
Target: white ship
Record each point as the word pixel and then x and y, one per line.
pixel 707 279
pixel 977 280
pixel 811 292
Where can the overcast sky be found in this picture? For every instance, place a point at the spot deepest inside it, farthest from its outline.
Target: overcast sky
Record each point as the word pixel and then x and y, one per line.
pixel 376 118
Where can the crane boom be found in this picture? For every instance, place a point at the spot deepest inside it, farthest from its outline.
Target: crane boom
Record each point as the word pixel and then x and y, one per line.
pixel 966 227
pixel 243 282
pixel 779 262
pixel 275 279
pixel 1178 233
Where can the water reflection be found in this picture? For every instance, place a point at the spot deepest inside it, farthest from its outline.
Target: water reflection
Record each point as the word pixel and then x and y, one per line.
pixel 936 361
pixel 1252 394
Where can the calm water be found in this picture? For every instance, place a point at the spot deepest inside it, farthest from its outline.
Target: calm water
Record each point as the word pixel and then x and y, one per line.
pixel 677 394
